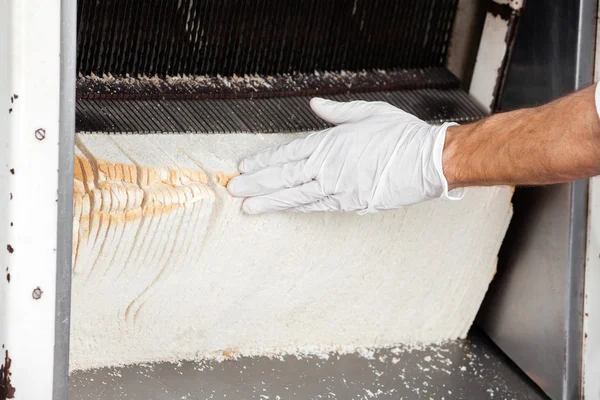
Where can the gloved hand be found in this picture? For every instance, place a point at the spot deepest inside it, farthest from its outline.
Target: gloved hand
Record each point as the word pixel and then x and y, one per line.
pixel 377 157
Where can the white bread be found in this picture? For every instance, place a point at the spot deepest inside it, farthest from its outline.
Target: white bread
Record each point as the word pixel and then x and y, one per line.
pixel 167 267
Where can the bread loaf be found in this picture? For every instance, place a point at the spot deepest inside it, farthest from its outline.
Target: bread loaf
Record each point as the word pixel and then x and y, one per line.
pixel 168 267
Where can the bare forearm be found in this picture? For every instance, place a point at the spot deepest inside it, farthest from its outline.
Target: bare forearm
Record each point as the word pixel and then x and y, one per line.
pixel 554 143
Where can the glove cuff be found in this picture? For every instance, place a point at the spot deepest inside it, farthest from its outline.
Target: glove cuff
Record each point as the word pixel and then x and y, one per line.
pixel 438 148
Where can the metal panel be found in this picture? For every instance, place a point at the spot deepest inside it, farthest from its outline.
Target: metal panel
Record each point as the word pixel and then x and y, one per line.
pixel 29 126
pixel 591 308
pixel 267 37
pixel 68 63
pixel 432 105
pixel 207 87
pixel 591 320
pixel 465 369
pixel 533 310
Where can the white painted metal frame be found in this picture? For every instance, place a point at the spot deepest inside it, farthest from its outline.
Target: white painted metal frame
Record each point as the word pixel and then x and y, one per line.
pixel 492 55
pixel 30 48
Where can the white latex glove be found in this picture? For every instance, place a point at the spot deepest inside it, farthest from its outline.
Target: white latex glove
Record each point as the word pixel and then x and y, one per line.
pixel 378 157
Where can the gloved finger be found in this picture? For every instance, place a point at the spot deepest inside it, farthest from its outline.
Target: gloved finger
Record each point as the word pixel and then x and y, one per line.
pixel 284 199
pixel 296 150
pixel 270 179
pixel 326 204
pixel 347 112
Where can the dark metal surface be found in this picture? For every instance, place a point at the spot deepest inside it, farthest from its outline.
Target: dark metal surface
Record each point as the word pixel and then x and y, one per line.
pixel 553 53
pixel 265 115
pixel 66 151
pixel 262 36
pixel 206 87
pixel 533 310
pixel 472 369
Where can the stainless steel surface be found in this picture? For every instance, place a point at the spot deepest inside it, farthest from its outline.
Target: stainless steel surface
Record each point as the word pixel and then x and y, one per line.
pixel 553 54
pixel 586 43
pixel 526 309
pixel 572 378
pixel 470 369
pixel 65 198
pixel 533 310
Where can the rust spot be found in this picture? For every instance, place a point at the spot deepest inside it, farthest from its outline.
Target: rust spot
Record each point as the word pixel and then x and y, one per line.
pixel 585 335
pixel 587 315
pixel 10 248
pixel 8 277
pixel 12 171
pixel 7 390
pixel 16 96
pixel 10 110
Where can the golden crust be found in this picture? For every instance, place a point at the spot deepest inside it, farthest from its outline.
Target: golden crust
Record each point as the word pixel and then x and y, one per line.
pixel 87 173
pixel 223 178
pixel 77 171
pixel 118 196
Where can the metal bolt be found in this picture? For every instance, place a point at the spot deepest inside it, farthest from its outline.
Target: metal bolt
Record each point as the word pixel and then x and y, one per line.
pixel 40 134
pixel 37 293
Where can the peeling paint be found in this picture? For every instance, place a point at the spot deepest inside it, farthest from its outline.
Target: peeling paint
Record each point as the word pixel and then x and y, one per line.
pixel 502 11
pixel 514 4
